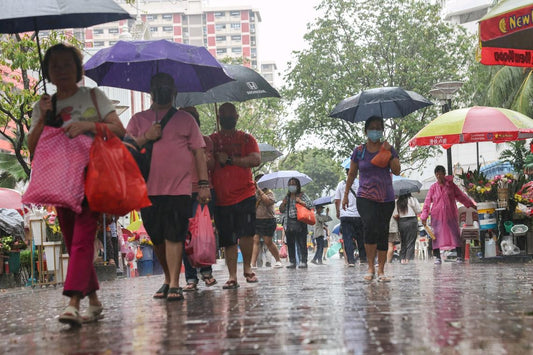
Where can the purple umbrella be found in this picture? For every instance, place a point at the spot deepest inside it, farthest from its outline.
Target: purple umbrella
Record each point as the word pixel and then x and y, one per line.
pixel 130 65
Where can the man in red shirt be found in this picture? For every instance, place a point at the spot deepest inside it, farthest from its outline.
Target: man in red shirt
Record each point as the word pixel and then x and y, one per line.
pixel 236 152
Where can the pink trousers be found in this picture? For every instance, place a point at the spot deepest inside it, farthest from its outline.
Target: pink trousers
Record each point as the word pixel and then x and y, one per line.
pixel 79 231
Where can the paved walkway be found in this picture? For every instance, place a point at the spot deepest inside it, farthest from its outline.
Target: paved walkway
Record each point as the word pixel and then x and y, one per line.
pixel 447 309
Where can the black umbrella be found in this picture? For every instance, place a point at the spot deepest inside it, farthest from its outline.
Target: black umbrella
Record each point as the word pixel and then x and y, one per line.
pixel 386 102
pixel 248 85
pixel 35 15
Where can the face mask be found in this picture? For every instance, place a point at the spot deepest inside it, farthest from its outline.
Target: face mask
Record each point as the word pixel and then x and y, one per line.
pixel 228 122
pixel 162 95
pixel 374 135
pixel 293 189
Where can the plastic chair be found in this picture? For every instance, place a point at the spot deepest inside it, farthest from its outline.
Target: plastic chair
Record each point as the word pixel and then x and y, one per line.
pixel 468 223
pixel 421 248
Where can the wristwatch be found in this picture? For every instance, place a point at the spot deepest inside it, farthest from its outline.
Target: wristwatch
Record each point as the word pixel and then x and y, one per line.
pixel 229 161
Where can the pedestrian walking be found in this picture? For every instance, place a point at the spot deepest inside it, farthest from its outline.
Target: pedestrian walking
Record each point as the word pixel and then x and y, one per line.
pixel 236 152
pixel 206 272
pixel 351 222
pixel 375 196
pixel 265 223
pixel 406 212
pixel 170 180
pixel 440 204
pixel 295 230
pixel 394 238
pixel 72 108
pixel 320 232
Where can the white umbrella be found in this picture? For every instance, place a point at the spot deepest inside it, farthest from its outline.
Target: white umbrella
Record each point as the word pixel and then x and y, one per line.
pixel 268 152
pixel 280 179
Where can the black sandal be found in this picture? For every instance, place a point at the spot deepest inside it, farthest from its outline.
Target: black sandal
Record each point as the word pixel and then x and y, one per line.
pixel 209 280
pixel 177 291
pixel 162 292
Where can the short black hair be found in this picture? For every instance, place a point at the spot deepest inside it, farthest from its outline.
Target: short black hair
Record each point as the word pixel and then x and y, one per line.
pixel 60 47
pixel 440 168
pixel 161 78
pixel 372 119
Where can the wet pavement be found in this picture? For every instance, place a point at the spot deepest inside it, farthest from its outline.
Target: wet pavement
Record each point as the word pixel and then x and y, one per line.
pixel 328 309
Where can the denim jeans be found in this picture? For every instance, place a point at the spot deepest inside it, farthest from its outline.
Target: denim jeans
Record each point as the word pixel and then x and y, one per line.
pixel 352 229
pixel 319 249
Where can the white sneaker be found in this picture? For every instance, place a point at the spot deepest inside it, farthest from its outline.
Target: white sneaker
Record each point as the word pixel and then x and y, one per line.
pixel 278 264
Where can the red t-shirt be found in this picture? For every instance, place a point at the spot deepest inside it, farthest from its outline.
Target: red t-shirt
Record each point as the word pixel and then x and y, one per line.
pixel 233 184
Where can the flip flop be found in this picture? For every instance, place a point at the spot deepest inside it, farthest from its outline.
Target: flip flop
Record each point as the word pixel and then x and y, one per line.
pixel 209 280
pixel 177 291
pixel 383 278
pixel 230 285
pixel 369 277
pixel 191 286
pixel 162 292
pixel 250 277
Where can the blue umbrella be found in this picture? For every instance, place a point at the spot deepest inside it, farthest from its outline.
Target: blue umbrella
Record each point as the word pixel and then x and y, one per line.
pixel 326 200
pixel 337 229
pixel 131 65
pixel 280 179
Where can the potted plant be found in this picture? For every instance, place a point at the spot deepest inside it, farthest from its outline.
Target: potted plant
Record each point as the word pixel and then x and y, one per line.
pixel 11 248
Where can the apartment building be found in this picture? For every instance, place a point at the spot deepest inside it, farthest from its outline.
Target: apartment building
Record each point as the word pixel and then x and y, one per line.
pixel 466 13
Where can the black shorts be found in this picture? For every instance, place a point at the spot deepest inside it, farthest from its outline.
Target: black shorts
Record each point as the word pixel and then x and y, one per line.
pixel 167 218
pixel 265 227
pixel 235 221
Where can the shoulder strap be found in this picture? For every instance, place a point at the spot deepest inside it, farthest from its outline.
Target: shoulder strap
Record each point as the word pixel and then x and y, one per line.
pixel 351 190
pixel 95 103
pixel 167 117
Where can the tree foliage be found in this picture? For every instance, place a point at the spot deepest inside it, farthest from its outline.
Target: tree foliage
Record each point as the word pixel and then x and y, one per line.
pixel 357 45
pixel 515 154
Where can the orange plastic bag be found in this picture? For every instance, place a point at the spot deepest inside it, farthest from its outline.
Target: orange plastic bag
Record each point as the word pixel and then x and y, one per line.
pixel 139 254
pixel 305 215
pixel 201 245
pixel 382 159
pixel 114 183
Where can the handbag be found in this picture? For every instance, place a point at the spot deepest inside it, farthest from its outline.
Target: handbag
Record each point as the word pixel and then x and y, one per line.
pixel 382 159
pixel 114 184
pixel 200 244
pixel 58 170
pixel 305 215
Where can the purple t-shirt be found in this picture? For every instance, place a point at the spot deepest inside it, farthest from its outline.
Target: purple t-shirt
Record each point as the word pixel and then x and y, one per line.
pixel 375 183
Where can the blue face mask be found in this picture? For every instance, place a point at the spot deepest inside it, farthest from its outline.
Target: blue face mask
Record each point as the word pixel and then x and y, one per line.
pixel 374 135
pixel 293 189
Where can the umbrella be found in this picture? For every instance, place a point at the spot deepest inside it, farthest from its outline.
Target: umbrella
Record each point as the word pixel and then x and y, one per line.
pixel 11 222
pixel 337 229
pixel 405 186
pixel 326 200
pixel 268 152
pixel 384 102
pixel 131 65
pixel 23 16
pixel 10 199
pixel 505 34
pixel 248 85
pixel 280 179
pixel 475 124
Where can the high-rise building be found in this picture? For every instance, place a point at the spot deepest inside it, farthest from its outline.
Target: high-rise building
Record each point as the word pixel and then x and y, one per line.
pixel 466 13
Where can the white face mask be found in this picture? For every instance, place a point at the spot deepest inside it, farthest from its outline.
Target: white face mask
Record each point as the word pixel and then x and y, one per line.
pixel 293 189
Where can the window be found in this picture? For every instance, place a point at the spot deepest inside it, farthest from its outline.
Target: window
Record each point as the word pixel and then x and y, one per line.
pixel 167 17
pixel 236 50
pixel 219 27
pixel 98 31
pixel 151 17
pixel 221 38
pixel 222 50
pixel 112 43
pixel 99 43
pixel 167 28
pixel 112 30
pixel 235 13
pixel 220 14
pixel 153 29
pixel 236 38
pixel 236 26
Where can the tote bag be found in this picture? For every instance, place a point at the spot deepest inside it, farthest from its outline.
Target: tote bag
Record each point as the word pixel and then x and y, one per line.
pixel 305 215
pixel 58 170
pixel 200 245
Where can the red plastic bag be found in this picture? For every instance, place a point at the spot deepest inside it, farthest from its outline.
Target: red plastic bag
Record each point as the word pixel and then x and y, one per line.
pixel 201 246
pixel 114 184
pixel 283 251
pixel 305 215
pixel 58 170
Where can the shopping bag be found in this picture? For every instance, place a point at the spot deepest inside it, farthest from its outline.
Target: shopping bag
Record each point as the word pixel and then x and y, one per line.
pixel 283 251
pixel 139 254
pixel 114 184
pixel 58 170
pixel 200 244
pixel 382 159
pixel 305 215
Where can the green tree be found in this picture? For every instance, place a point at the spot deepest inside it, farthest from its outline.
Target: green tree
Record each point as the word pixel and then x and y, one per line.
pixel 512 87
pixel 19 53
pixel 516 154
pixel 357 45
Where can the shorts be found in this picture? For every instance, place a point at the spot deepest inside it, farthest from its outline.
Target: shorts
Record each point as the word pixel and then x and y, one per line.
pixel 235 221
pixel 394 238
pixel 326 244
pixel 265 227
pixel 167 218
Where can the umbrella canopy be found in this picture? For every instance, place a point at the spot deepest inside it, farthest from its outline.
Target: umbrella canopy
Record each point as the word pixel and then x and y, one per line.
pixel 405 186
pixel 336 229
pixel 475 124
pixel 506 33
pixel 326 200
pixel 10 199
pixel 386 102
pixel 23 16
pixel 268 152
pixel 131 65
pixel 248 85
pixel 280 179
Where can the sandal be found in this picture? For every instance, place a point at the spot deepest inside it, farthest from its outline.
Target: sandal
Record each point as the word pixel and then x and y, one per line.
pixel 191 286
pixel 93 314
pixel 71 316
pixel 230 285
pixel 250 277
pixel 162 292
pixel 383 278
pixel 175 294
pixel 209 280
pixel 369 276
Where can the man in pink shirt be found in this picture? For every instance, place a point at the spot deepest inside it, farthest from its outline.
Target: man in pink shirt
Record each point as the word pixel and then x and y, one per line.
pixel 170 179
